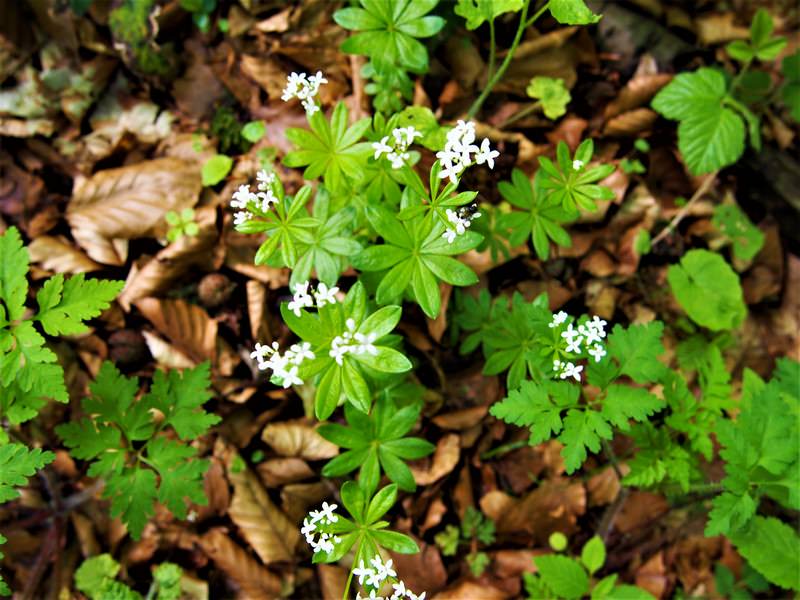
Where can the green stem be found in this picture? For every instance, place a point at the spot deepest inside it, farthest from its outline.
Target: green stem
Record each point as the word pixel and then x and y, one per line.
pixel 354 565
pixel 738 79
pixel 523 113
pixel 505 448
pixel 497 75
pixel 492 49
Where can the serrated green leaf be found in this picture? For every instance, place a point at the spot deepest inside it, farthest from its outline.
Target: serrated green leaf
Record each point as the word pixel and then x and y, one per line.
pixel 180 396
pixel 711 139
pixel 624 402
pixel 132 495
pixel 572 12
pixel 773 548
pixel 708 290
pixel 734 224
pixel 13 268
pixel 64 305
pixel 637 349
pixel 583 429
pixel 552 93
pixel 477 11
pixel 17 463
pixel 563 575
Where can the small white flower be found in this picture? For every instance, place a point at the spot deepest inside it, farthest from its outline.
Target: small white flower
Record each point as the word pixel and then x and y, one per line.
pixel 242 196
pixel 241 217
pixel 399 590
pixel 572 371
pixel 361 572
pixel 290 378
pixel 599 325
pixel 449 235
pixel 558 318
pixel 486 154
pixel 305 89
pixel 398 159
pixel 309 527
pixel 327 512
pixel 573 345
pixel 577 165
pixel 301 352
pixel 264 179
pixel 570 333
pixel 598 352
pixel 324 295
pixel 557 365
pixel 381 147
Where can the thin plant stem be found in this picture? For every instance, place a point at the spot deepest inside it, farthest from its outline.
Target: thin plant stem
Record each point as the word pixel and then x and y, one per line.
pixel 519 115
pixel 505 448
pixel 683 212
pixel 524 23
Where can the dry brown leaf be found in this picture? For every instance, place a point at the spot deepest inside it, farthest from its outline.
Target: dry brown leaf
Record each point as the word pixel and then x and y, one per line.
pixel 631 123
pixel 266 528
pixel 297 498
pixel 257 310
pixel 276 472
pixel 468 589
pixel 423 571
pixel 461 419
pixel 513 563
pixel 433 516
pixel 298 438
pixel 116 205
pixel 165 353
pixel 603 487
pixel 640 509
pixel 652 576
pixel 59 255
pixel 266 72
pixel 636 93
pixel 443 462
pixel 190 252
pixel 333 580
pixel 240 257
pixel 253 581
pixel 187 326
pixel 719 27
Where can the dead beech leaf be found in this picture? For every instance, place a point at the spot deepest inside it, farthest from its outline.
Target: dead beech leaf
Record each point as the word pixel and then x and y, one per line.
pixel 156 276
pixel 513 563
pixel 116 205
pixel 276 472
pixel 57 254
pixel 652 576
pixel 298 438
pixel 240 258
pixel 640 509
pixel 469 589
pixel 716 28
pixel 553 506
pixel 332 580
pixel 631 123
pixel 298 498
pixel 257 310
pixel 165 353
pixel 603 487
pixel 186 325
pixel 266 72
pixel 636 93
pixel 443 462
pixel 461 419
pixel 423 571
pixel 252 580
pixel 266 528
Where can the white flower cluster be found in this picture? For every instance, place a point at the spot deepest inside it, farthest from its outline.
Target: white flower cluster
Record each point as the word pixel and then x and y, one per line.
pixel 374 577
pixel 397 151
pixel 458 151
pixel 305 88
pixel 243 198
pixel 305 298
pixel 283 365
pixel 352 342
pixel 326 542
pixel 591 333
pixel 460 223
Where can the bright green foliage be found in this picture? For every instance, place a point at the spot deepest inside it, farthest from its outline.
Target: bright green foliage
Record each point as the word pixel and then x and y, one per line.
pixel 570 182
pixel 377 442
pixel 711 133
pixel 17 463
pixel 790 91
pixel 475 527
pixel 708 290
pixel 4 589
pixel 773 548
pixel 762 44
pixel 658 459
pixel 181 224
pixel 29 373
pixel 569 578
pixel 286 223
pixel 215 169
pixel 572 12
pixel 130 25
pixel 116 424
pixel 728 587
pixel 553 408
pixel 347 379
pixel 434 204
pixel 365 530
pixel 253 131
pixel 201 12
pixel 331 246
pixel 417 258
pixel 544 217
pixel 330 150
pixel 477 11
pixel 388 31
pixel 747 239
pixel 552 93
pixel 96 578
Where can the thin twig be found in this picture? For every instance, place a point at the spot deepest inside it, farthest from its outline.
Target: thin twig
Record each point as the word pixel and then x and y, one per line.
pixel 356 63
pixel 683 211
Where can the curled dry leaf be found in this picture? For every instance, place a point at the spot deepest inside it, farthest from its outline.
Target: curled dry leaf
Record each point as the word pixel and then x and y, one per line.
pixel 276 472
pixel 57 254
pixel 116 205
pixel 333 580
pixel 298 498
pixel 443 462
pixel 187 326
pixel 636 93
pixel 423 571
pixel 468 589
pixel 639 509
pixel 189 252
pixel 631 123
pixel 298 438
pixel 266 528
pixel 652 576
pixel 257 310
pixel 461 419
pixel 165 353
pixel 252 580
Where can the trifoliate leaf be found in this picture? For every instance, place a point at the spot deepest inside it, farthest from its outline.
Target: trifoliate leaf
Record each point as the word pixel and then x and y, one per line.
pixel 563 575
pixel 478 11
pixel 552 93
pixel 572 12
pixel 13 268
pixel 17 463
pixel 181 396
pixel 64 305
pixel 582 429
pixel 637 349
pixel 708 290
pixel 773 548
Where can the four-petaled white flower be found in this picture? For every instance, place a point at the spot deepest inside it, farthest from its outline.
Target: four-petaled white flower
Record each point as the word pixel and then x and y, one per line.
pixel 486 154
pixel 396 151
pixel 325 295
pixel 381 147
pixel 577 165
pixel 571 370
pixel 458 150
pixel 597 351
pixel 558 318
pixel 305 89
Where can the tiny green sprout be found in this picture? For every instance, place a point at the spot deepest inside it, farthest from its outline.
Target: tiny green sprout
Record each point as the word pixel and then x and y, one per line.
pixel 257 456
pixel 558 541
pixel 181 224
pixel 223 25
pixel 552 94
pixel 215 169
pixel 642 145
